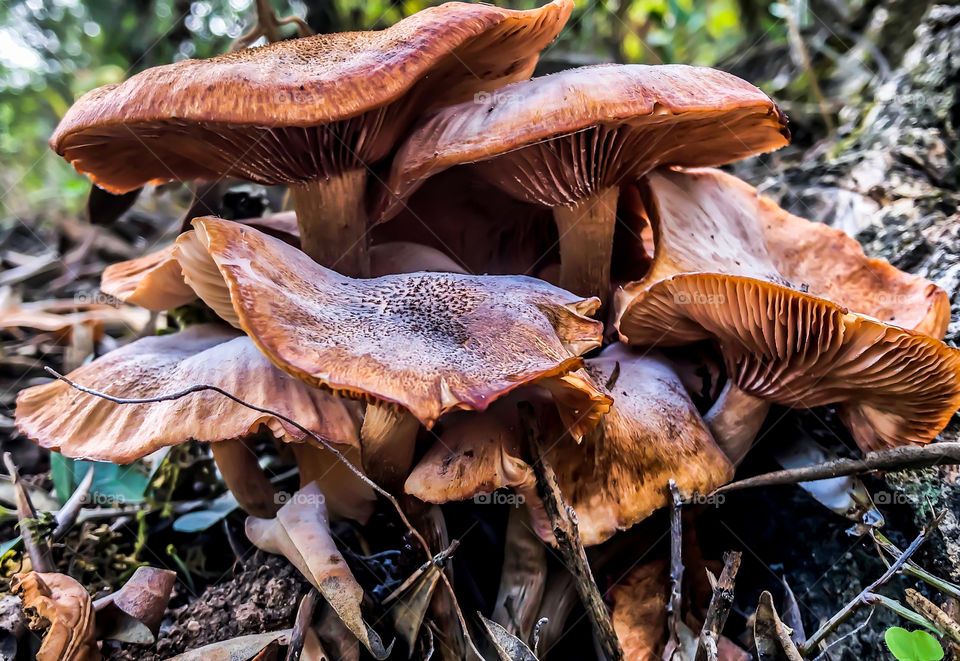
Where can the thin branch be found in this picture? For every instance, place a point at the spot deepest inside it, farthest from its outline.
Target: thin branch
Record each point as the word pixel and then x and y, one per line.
pixel 567 533
pixel 912 568
pixel 38 549
pixel 887 460
pixel 862 598
pixel 322 440
pixel 719 609
pixel 302 623
pixel 849 634
pixel 901 610
pixel 676 569
pixel 934 613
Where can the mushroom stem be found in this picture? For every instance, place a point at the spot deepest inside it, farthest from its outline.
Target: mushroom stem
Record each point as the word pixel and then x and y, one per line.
pixel 586 243
pixel 244 477
pixel 734 419
pixel 387 439
pixel 332 217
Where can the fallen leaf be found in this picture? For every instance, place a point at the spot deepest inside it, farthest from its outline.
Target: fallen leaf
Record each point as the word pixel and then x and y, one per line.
pixel 771 635
pixel 133 613
pixel 509 647
pixel 60 605
pixel 301 533
pixel 242 648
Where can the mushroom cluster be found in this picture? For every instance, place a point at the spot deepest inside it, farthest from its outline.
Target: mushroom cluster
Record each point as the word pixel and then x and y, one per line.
pixel 402 369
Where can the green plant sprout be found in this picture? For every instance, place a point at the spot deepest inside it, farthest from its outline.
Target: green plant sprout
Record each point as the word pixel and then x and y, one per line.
pixel 912 645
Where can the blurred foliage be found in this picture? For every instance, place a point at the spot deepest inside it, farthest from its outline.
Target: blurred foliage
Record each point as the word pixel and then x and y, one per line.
pixel 51 51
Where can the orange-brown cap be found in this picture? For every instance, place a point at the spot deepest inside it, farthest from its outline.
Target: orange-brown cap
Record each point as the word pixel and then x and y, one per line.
pixel 653 433
pixel 259 114
pixel 60 605
pixel 569 135
pixel 640 611
pixel 430 342
pixel 153 281
pixel 803 317
pixel 84 426
pixel 475 455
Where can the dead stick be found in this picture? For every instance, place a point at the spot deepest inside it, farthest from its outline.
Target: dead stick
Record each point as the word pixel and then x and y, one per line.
pixel 676 565
pixel 322 440
pixel 302 623
pixel 861 599
pixel 37 549
pixel 887 460
pixel 719 609
pixel 912 568
pixel 934 613
pixel 567 533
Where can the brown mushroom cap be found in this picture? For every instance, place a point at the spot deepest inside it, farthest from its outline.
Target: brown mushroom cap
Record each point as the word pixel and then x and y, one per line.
pixel 60 605
pixel 83 426
pixel 569 135
pixel 619 474
pixel 261 114
pixel 475 455
pixel 640 611
pixel 802 317
pixel 153 281
pixel 430 342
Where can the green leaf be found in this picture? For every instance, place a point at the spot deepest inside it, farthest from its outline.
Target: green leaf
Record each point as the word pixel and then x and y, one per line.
pixel 112 484
pixel 216 510
pixel 9 546
pixel 912 645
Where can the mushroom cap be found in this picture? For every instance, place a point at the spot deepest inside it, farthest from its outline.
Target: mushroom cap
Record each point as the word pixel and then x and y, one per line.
pixel 84 426
pixel 430 342
pixel 63 606
pixel 152 281
pixel 640 611
pixel 619 474
pixel 563 137
pixel 249 113
pixel 802 316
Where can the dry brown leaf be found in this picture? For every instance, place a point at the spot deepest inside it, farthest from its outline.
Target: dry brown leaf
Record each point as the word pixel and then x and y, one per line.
pixel 60 605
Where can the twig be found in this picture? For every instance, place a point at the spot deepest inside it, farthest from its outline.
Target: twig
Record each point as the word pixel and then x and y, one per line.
pixel 887 460
pixel 676 570
pixel 67 516
pixel 38 550
pixel 861 599
pixel 437 560
pixel 912 568
pixel 901 610
pixel 322 440
pixel 847 635
pixel 567 533
pixel 302 623
pixel 268 25
pixel 934 613
pixel 719 609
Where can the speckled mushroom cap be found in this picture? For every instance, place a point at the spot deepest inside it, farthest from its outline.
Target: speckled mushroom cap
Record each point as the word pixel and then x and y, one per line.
pixel 430 342
pixel 152 281
pixel 802 316
pixel 301 109
pixel 83 426
pixel 560 138
pixel 619 474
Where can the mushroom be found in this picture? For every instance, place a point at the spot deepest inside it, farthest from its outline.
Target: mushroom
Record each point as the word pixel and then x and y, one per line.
pixel 60 605
pixel 414 346
pixel 567 140
pixel 640 611
pixel 82 426
pixel 619 474
pixel 802 317
pixel 313 113
pixel 152 281
pixel 474 456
